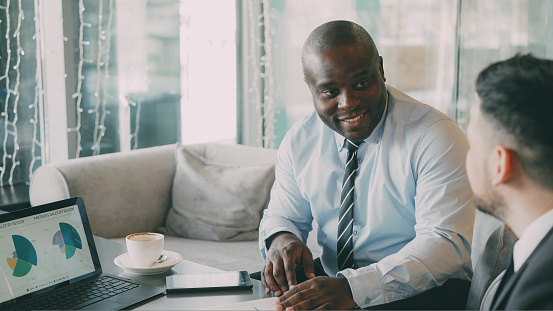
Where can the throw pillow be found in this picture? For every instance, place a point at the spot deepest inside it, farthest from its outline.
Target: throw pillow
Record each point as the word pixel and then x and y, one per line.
pixel 217 201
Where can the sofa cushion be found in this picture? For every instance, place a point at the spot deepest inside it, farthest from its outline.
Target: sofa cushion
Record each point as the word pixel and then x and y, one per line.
pixel 217 201
pixel 124 192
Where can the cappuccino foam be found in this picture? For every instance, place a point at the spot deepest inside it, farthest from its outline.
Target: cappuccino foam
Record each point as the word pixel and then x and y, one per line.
pixel 144 237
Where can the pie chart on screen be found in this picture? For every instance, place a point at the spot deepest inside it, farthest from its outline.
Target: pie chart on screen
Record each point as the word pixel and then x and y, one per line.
pixel 24 257
pixel 68 240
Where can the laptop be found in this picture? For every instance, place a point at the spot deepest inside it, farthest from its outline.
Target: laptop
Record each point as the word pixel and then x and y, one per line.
pixel 48 260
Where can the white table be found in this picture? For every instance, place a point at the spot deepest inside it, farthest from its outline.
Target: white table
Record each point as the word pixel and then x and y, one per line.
pixel 108 250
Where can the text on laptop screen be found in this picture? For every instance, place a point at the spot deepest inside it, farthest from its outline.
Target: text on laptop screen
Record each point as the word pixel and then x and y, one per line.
pixel 42 250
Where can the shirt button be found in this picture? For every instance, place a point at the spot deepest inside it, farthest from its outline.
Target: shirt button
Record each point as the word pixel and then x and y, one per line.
pixel 354 232
pixel 367 301
pixel 359 161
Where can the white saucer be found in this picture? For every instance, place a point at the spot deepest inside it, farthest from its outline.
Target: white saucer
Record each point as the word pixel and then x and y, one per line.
pixel 124 261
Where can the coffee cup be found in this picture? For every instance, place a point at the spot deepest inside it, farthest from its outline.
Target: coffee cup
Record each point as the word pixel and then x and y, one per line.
pixel 144 248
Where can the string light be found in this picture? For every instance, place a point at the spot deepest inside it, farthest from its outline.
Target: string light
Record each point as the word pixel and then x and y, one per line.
pixel 96 110
pixel 13 95
pixel 103 61
pixel 268 94
pixel 78 95
pixel 106 74
pixel 99 110
pixel 17 36
pixel 38 94
pixel 5 113
pixel 264 103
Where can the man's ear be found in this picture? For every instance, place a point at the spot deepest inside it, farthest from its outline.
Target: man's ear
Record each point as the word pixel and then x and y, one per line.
pixel 503 161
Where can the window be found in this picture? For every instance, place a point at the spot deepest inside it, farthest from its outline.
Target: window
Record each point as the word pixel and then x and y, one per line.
pixel 432 49
pixel 496 30
pixel 21 135
pixel 85 77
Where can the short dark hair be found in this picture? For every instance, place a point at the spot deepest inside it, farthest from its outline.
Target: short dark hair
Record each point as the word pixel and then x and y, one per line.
pixel 517 97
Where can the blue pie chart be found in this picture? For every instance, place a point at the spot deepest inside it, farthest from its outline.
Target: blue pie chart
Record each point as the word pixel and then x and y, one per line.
pixel 68 240
pixel 24 257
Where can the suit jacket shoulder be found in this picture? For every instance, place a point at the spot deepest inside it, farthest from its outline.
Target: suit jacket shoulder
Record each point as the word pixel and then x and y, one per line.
pixel 531 287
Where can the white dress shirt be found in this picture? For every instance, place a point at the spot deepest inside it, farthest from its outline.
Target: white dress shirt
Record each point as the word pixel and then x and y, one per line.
pixel 413 210
pixel 530 238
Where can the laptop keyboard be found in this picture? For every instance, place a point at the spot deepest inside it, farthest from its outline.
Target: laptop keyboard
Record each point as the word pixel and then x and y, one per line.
pixel 82 295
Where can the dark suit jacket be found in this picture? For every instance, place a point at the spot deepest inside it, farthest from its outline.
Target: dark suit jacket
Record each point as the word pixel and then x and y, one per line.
pixel 531 288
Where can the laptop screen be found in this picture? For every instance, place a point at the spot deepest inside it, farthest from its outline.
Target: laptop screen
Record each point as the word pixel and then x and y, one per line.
pixel 45 247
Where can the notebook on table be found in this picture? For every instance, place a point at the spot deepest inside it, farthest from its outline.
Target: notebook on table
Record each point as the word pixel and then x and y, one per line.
pixel 48 260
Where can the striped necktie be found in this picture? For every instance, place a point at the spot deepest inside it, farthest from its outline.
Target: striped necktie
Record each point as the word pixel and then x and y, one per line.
pixel 345 223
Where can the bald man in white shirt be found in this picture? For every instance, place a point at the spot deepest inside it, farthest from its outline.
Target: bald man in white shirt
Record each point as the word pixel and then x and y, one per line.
pixel 403 241
pixel 510 169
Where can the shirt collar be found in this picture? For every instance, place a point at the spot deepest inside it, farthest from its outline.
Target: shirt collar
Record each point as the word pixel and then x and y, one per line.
pixel 530 238
pixel 375 136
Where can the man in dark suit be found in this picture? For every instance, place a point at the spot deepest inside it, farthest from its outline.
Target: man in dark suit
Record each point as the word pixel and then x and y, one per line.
pixel 510 169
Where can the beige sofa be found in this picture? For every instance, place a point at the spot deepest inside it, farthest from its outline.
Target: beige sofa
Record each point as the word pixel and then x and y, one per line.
pixel 131 192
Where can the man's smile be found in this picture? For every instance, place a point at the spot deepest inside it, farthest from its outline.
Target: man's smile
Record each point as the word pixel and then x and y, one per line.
pixel 354 120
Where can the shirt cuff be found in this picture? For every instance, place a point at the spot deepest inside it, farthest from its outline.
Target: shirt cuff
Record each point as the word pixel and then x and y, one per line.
pixel 366 287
